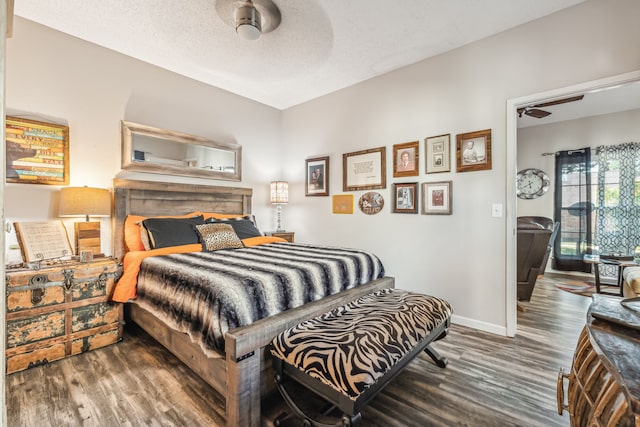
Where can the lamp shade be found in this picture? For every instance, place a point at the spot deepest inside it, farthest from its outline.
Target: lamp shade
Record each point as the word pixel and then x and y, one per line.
pixel 279 192
pixel 85 201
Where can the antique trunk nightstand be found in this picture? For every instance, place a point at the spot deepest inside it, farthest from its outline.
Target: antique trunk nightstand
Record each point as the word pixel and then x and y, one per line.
pixel 60 310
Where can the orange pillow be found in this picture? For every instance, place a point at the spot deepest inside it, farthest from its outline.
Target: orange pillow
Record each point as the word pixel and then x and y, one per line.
pixel 132 230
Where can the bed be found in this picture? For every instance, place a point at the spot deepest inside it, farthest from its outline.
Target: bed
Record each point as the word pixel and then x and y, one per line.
pixel 241 373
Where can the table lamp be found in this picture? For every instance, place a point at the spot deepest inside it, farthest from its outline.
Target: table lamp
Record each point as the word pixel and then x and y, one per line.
pixel 86 201
pixel 279 197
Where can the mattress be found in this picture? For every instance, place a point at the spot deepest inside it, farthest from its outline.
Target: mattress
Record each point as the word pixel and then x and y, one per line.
pixel 205 294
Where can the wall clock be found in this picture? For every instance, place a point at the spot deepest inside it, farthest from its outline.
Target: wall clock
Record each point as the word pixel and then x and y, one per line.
pixel 532 183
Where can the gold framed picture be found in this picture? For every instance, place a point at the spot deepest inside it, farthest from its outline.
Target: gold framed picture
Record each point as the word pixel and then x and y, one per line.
pixel 473 151
pixel 342 203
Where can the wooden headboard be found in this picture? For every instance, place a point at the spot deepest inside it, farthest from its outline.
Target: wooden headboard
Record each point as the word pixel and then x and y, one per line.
pixel 149 198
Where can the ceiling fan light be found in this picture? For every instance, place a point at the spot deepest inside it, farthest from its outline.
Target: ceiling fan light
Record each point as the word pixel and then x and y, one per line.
pixel 248 22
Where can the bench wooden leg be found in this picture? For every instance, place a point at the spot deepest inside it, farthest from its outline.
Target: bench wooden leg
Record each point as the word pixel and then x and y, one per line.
pixel 441 361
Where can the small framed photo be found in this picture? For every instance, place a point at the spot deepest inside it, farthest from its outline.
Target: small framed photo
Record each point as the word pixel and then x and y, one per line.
pixel 436 198
pixel 437 149
pixel 473 151
pixel 342 203
pixel 317 180
pixel 405 198
pixel 364 170
pixel 405 159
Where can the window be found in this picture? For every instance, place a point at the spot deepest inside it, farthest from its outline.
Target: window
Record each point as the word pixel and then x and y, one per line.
pixel 599 215
pixel 573 209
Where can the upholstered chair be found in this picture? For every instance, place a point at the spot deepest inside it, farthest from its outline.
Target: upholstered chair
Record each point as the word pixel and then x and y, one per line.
pixel 535 236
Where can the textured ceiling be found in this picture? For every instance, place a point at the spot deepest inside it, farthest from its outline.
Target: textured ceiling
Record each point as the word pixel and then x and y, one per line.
pixel 320 46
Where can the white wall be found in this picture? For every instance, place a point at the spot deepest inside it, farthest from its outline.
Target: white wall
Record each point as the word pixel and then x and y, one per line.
pixel 459 257
pixel 533 141
pixel 53 76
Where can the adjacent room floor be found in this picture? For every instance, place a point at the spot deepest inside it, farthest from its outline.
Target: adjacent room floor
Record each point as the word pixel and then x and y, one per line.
pixel 490 380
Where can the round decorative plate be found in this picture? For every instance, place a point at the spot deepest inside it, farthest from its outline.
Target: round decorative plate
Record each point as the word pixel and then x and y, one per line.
pixel 371 203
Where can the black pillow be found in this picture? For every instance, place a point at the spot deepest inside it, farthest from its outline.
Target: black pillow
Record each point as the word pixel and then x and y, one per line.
pixel 164 232
pixel 243 227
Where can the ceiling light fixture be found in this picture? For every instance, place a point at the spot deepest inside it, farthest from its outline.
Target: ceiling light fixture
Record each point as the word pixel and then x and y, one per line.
pixel 250 18
pixel 248 25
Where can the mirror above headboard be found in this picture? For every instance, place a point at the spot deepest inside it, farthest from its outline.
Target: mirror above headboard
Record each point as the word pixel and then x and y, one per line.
pixel 149 149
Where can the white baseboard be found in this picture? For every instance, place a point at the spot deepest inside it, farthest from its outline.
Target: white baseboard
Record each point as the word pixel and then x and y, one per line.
pixel 482 326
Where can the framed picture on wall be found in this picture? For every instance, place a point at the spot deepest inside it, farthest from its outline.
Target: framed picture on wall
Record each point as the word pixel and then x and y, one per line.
pixel 473 151
pixel 364 170
pixel 36 152
pixel 437 149
pixel 405 197
pixel 406 159
pixel 317 179
pixel 342 203
pixel 436 198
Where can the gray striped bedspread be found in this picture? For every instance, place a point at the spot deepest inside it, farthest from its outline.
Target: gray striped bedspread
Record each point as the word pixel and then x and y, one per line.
pixel 206 294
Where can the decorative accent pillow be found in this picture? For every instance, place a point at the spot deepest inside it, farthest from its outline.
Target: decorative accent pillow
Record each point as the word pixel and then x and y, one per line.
pixel 215 236
pixel 164 232
pixel 244 226
pixel 133 233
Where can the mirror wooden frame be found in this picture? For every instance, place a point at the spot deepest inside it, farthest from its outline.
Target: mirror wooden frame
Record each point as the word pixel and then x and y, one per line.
pixel 130 130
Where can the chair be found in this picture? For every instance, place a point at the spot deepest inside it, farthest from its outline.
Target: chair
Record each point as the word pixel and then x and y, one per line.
pixel 535 241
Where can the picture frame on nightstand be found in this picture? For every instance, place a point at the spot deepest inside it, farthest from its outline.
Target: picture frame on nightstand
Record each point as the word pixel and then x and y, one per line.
pixel 42 240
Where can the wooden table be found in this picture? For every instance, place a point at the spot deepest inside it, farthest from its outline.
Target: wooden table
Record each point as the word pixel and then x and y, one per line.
pixel 619 261
pixel 604 384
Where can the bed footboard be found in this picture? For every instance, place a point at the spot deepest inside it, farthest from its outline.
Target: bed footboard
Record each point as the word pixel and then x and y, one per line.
pixel 244 346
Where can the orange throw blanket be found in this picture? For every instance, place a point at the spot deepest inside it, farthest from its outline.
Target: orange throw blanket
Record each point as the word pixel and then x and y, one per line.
pixel 125 289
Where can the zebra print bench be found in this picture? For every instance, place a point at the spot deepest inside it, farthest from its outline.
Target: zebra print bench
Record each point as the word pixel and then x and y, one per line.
pixel 349 354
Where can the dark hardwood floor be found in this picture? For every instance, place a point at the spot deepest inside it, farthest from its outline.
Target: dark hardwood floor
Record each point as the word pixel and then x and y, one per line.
pixel 490 380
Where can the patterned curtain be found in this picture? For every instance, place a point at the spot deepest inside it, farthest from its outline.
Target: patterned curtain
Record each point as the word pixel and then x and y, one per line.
pixel 618 207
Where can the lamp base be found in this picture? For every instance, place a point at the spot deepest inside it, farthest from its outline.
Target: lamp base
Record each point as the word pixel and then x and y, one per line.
pixel 279 218
pixel 87 237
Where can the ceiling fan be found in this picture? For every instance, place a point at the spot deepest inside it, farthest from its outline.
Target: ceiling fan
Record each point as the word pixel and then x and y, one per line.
pixel 535 111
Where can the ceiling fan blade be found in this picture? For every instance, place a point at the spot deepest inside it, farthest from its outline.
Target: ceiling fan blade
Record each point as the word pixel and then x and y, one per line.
pixel 538 114
pixel 559 101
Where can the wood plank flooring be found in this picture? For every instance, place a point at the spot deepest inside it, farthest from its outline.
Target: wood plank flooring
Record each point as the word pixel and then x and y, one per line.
pixel 490 380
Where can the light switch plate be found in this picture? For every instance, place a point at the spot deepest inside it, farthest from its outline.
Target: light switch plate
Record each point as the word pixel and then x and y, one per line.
pixel 496 210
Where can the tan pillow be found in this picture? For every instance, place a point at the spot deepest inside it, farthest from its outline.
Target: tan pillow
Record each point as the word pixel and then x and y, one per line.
pixel 144 237
pixel 215 236
pixel 632 277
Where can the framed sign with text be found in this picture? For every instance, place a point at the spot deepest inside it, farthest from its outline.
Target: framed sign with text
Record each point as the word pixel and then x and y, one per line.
pixel 36 152
pixel 364 170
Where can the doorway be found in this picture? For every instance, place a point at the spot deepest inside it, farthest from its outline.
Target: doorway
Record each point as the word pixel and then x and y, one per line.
pixel 512 169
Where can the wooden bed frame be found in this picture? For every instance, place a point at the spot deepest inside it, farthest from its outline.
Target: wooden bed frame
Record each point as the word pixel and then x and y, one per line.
pixel 241 375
